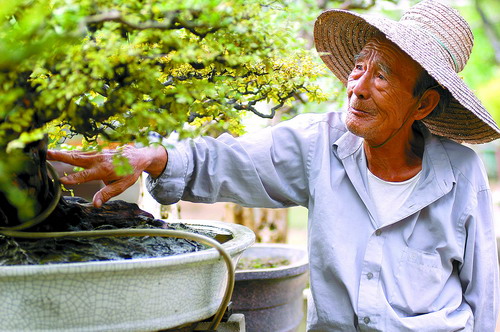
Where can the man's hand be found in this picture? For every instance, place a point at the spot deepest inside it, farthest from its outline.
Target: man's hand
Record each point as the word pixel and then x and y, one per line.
pixel 99 166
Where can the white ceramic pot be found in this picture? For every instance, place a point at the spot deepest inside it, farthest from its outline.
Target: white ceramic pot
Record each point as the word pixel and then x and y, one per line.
pixel 128 295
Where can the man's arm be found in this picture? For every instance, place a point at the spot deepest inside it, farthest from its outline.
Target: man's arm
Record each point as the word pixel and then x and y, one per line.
pixel 268 168
pixel 99 166
pixel 479 271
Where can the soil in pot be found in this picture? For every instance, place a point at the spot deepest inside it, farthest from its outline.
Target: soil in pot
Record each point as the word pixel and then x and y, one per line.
pixel 261 263
pixel 82 216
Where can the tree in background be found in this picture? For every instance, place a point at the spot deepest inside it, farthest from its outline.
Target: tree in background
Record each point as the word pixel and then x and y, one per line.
pixel 112 71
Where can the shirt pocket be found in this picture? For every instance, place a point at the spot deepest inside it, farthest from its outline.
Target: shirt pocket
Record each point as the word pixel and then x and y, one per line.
pixel 418 281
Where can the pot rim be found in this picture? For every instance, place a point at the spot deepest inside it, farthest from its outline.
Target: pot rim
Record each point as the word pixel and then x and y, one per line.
pixel 244 236
pixel 297 267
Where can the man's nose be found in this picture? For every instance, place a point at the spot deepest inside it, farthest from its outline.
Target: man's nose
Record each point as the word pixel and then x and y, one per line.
pixel 362 87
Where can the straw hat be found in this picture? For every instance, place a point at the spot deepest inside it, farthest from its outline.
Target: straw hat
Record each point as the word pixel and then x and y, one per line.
pixel 435 36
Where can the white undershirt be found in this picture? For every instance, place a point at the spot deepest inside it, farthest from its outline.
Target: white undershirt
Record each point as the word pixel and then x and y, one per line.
pixel 389 197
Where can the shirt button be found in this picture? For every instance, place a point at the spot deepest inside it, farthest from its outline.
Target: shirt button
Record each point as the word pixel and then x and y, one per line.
pixel 366 320
pixel 369 275
pixel 378 232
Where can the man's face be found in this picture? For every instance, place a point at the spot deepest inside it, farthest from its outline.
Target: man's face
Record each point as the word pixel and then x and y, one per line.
pixel 380 91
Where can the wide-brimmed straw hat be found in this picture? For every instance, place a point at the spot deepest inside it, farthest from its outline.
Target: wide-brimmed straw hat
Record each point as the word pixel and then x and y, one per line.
pixel 436 37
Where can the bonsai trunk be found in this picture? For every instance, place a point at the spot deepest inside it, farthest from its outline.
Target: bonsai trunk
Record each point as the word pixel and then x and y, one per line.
pixel 69 213
pixel 34 180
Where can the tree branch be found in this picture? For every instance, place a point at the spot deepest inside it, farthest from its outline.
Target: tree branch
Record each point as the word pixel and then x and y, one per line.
pixel 250 107
pixel 174 24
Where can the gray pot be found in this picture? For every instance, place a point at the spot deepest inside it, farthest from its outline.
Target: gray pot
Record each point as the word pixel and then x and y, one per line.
pixel 272 299
pixel 129 295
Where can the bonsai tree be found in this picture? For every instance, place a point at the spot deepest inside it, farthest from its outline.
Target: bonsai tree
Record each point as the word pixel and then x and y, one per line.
pixel 113 71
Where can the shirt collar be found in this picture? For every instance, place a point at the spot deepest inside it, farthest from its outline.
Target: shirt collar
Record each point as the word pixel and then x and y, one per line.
pixel 436 164
pixel 435 158
pixel 347 145
pixel 437 177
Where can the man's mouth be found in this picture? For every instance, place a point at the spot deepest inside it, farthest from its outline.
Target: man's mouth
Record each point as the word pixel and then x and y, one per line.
pixel 358 111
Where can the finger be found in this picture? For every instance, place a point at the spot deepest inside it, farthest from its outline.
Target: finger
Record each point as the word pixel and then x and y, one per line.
pixel 75 158
pixel 85 176
pixel 113 189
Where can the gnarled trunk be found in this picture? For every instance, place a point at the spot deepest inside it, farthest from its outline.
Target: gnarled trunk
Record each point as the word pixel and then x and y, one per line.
pixel 34 180
pixel 69 213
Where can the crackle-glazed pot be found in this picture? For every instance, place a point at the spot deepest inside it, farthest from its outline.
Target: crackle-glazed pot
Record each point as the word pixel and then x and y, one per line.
pixel 129 295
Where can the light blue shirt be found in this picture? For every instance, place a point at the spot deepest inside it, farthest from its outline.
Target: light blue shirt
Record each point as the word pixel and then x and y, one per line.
pixel 434 268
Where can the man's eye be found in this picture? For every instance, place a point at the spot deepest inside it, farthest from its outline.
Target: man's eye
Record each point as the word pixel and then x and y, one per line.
pixel 381 77
pixel 358 67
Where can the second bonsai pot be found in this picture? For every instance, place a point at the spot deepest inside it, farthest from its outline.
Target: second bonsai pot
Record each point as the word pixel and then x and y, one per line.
pixel 271 298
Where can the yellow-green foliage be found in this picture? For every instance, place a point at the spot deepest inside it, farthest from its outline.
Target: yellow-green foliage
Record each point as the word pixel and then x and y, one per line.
pixel 113 70
pixel 129 67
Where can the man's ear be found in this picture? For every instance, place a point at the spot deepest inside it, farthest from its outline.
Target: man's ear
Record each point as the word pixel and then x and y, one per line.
pixel 428 102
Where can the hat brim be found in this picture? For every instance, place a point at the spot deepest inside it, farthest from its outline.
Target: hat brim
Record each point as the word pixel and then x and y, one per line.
pixel 339 35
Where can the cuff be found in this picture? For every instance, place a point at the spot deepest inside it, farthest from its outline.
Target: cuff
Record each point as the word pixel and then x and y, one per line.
pixel 168 188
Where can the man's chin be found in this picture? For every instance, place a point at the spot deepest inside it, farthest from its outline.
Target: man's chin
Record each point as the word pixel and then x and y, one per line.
pixel 354 128
pixel 354 132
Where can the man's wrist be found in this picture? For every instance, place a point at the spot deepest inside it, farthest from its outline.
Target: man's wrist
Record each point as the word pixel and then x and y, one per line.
pixel 159 157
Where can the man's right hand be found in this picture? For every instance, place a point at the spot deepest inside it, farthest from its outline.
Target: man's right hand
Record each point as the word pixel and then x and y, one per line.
pixel 99 166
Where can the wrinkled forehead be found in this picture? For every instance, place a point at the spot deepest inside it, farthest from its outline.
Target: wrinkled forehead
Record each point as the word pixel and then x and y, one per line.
pixel 388 55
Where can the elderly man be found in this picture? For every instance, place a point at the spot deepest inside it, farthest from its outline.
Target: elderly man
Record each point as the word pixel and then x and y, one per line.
pixel 400 226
